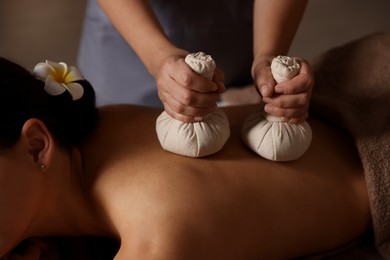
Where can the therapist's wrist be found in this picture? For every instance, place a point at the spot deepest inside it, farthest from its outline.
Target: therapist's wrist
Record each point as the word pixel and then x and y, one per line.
pixel 161 57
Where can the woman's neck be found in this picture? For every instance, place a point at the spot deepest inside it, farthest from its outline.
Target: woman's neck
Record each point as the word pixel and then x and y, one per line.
pixel 69 207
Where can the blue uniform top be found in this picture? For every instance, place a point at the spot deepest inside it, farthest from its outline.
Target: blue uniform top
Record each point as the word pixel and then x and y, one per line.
pixel 221 28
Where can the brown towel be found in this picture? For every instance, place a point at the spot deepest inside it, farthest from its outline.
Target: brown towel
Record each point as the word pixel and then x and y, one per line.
pixel 352 90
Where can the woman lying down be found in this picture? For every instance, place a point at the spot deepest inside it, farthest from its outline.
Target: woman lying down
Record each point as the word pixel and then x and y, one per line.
pixel 67 169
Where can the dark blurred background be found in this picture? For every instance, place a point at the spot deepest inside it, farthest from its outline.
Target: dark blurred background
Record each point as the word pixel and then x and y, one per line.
pixel 34 30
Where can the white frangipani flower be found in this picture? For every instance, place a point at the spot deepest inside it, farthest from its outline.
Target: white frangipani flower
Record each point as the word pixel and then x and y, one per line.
pixel 60 78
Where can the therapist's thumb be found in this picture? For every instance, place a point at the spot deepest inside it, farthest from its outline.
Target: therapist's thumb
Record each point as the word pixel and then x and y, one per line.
pixel 265 83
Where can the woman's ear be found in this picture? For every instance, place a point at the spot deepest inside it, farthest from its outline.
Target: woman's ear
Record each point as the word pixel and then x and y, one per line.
pixel 39 142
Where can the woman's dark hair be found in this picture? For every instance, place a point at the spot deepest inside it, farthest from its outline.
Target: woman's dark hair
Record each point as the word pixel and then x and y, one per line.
pixel 22 96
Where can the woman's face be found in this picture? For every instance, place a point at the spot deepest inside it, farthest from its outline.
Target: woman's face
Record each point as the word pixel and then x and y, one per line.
pixel 18 197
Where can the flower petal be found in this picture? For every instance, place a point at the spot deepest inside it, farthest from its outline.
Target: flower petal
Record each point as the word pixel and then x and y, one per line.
pixel 60 68
pixel 43 69
pixel 52 87
pixel 76 90
pixel 73 75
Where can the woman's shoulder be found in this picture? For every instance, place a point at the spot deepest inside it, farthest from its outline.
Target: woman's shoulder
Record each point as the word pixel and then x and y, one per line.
pixel 235 113
pixel 124 112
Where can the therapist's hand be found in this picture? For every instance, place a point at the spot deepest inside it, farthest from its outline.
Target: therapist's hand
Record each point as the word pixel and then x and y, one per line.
pixel 187 96
pixel 289 99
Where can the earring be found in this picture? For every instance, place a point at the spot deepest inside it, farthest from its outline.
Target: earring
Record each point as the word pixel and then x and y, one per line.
pixel 43 166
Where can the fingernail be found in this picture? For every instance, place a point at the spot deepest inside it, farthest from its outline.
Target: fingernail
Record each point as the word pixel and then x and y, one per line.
pixel 279 89
pixel 267 100
pixel 198 118
pixel 268 109
pixel 264 90
pixel 214 88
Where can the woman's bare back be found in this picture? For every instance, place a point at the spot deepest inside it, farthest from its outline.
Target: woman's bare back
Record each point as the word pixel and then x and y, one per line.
pixel 231 205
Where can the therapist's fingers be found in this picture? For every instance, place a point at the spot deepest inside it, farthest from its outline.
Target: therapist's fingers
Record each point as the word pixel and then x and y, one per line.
pixel 187 113
pixel 186 77
pixel 176 75
pixel 191 80
pixel 303 82
pixel 299 114
pixel 174 92
pixel 289 101
pixel 292 97
pixel 187 96
pixel 290 115
pixel 181 105
pixel 292 108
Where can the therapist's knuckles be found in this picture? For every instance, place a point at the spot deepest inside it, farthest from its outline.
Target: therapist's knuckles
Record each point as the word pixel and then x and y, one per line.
pixel 203 85
pixel 178 108
pixel 188 98
pixel 186 78
pixel 197 99
pixel 301 85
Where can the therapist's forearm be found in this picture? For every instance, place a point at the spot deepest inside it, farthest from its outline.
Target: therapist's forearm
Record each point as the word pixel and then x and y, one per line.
pixel 275 25
pixel 138 25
